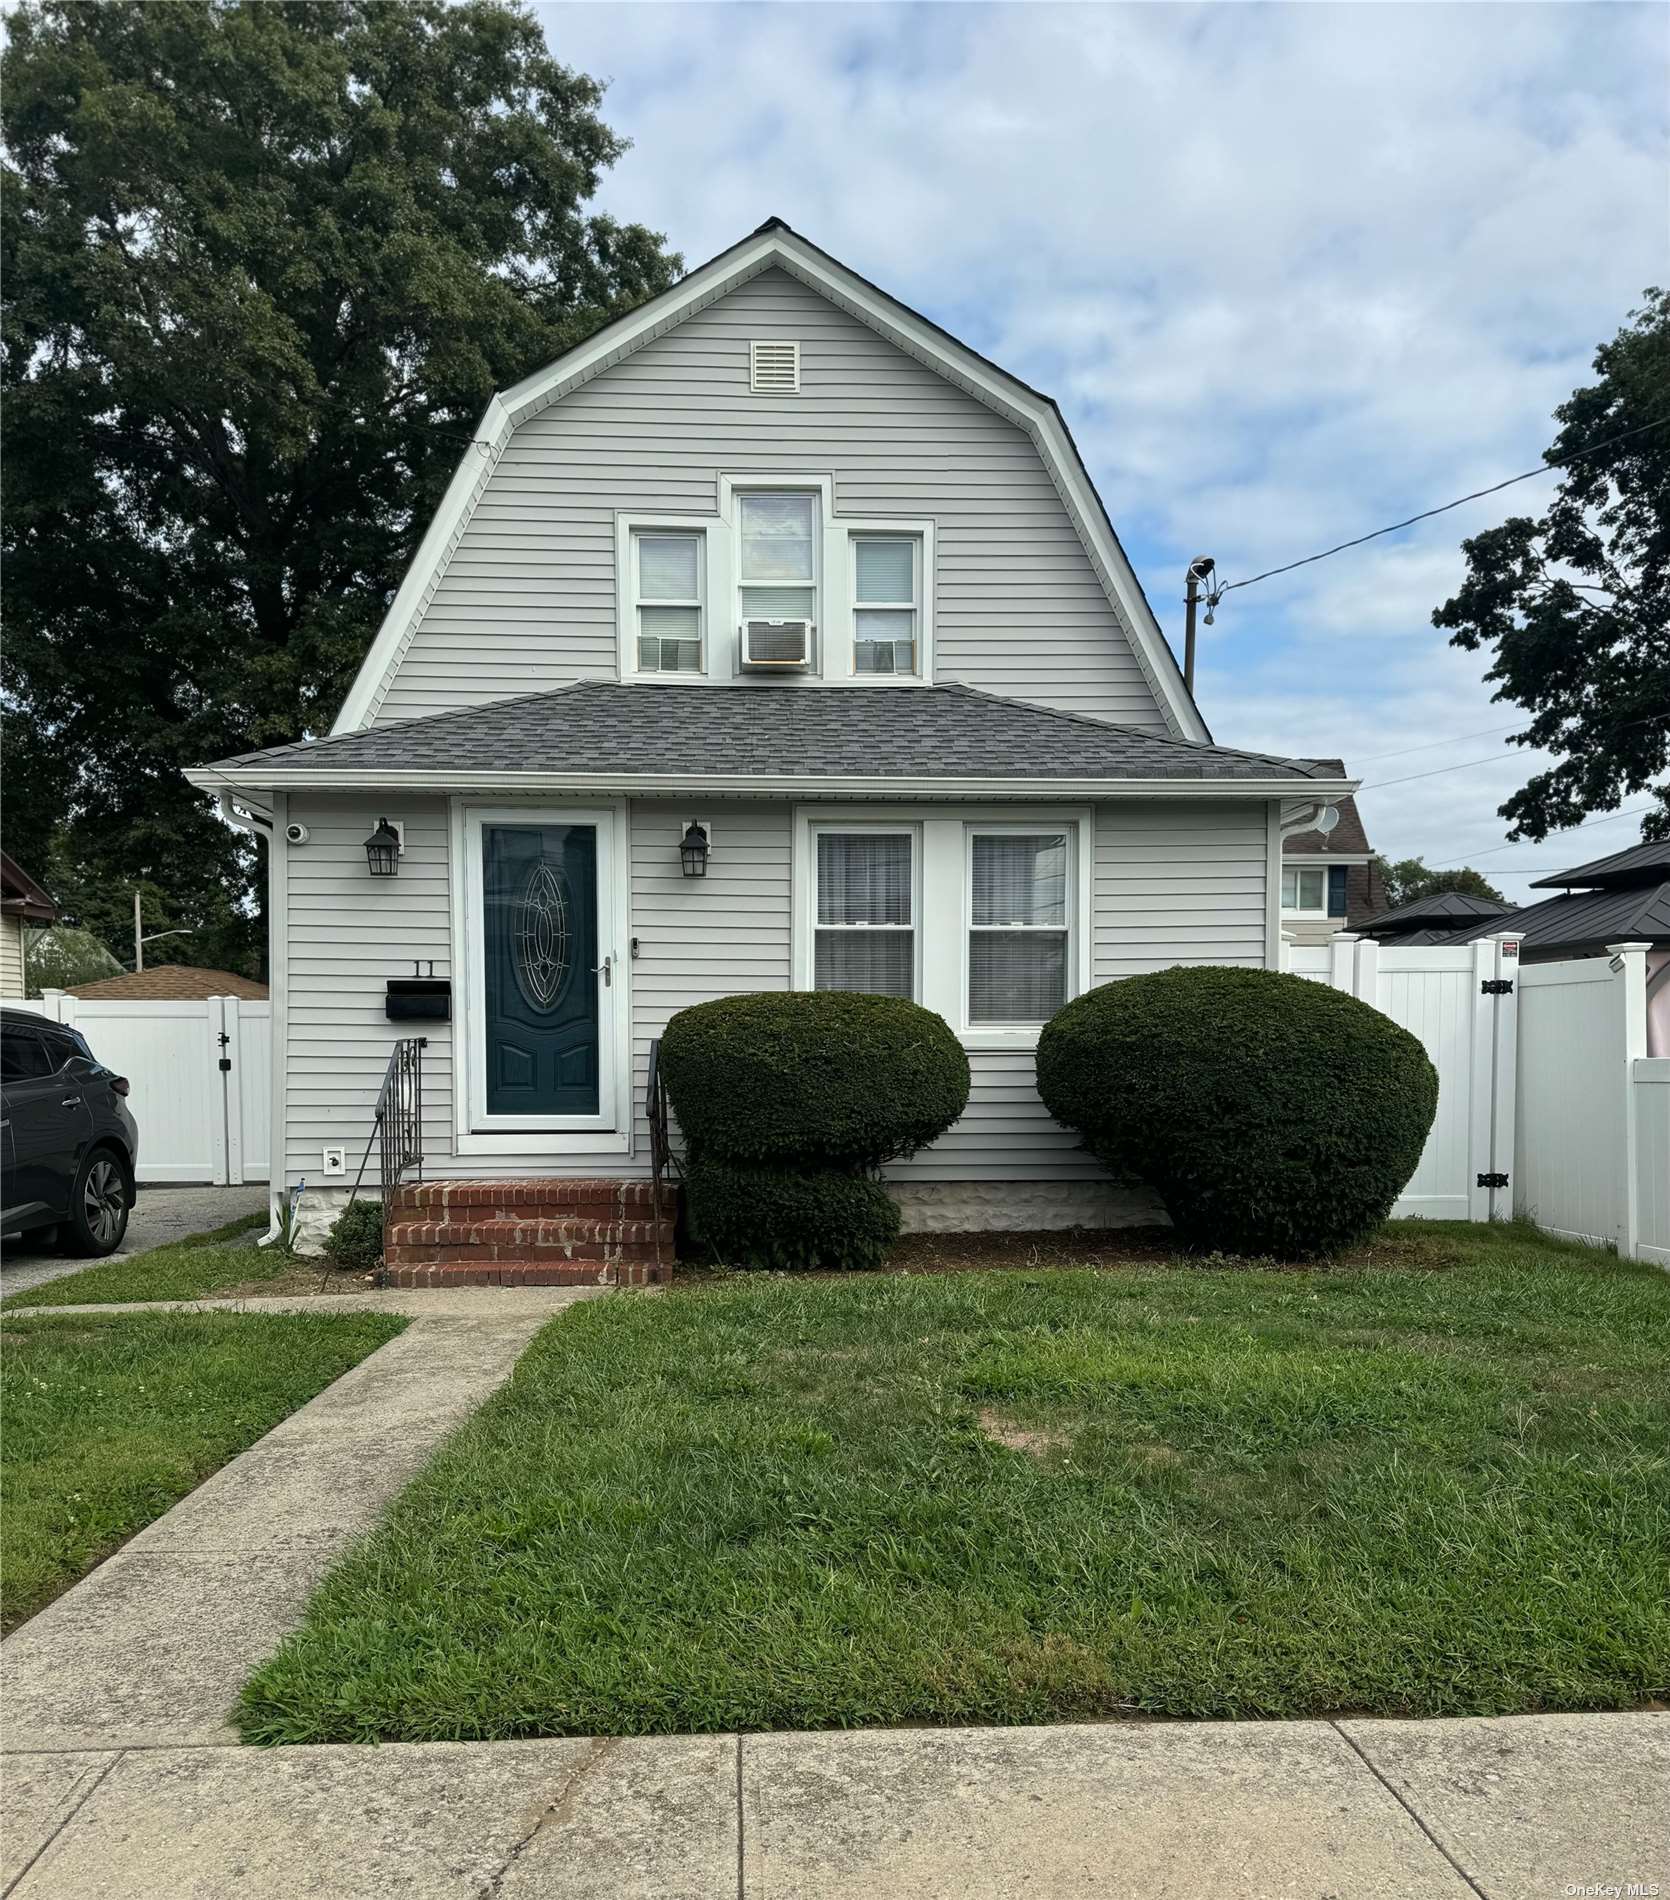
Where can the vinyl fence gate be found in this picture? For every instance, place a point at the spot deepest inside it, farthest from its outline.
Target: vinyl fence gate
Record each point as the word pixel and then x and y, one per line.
pixel 1549 1106
pixel 199 1079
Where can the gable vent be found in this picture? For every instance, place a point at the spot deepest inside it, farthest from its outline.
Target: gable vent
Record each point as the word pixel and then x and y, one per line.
pixel 774 368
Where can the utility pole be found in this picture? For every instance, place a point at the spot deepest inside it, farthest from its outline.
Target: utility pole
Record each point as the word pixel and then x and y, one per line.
pixel 140 939
pixel 1199 568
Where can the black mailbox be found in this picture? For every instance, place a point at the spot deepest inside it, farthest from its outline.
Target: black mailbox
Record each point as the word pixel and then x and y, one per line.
pixel 426 999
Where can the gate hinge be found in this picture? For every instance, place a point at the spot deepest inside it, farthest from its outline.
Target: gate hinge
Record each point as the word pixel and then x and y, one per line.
pixel 1496 986
pixel 1493 1180
pixel 226 1065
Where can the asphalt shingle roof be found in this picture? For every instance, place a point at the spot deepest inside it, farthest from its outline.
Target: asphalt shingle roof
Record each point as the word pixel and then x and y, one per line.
pixel 774 730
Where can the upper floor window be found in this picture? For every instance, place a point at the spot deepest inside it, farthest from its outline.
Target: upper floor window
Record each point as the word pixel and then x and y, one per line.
pixel 886 595
pixel 668 577
pixel 777 555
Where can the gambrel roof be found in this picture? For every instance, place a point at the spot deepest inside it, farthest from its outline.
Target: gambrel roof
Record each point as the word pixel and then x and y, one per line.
pixel 947 739
pixel 775 246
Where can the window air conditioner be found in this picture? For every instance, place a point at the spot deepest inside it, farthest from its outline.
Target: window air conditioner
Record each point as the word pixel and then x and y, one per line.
pixel 776 644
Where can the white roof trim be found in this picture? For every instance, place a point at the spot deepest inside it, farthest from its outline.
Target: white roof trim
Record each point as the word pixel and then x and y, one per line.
pixel 777 248
pixel 738 784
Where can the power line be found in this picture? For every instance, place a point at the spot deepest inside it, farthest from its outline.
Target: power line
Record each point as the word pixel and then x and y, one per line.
pixel 1496 758
pixel 1426 745
pixel 1624 811
pixel 1427 514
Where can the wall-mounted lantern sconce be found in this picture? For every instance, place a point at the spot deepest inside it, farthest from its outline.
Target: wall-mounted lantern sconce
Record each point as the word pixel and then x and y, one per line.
pixel 382 850
pixel 693 849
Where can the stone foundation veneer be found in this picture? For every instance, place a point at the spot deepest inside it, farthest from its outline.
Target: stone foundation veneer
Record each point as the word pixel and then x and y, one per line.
pixel 967 1207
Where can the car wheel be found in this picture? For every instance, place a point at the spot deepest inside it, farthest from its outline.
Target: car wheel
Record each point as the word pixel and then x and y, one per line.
pixel 98 1206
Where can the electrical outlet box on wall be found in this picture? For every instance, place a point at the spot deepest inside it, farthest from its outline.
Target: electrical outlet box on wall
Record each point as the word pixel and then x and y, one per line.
pixel 335 1162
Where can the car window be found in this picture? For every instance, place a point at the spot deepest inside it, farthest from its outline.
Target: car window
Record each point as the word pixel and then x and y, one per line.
pixel 22 1053
pixel 61 1048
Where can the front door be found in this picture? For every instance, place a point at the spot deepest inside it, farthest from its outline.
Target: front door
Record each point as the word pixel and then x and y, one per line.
pixel 543 981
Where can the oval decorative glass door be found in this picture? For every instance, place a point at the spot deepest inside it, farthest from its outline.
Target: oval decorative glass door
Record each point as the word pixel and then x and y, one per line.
pixel 542 943
pixel 539 911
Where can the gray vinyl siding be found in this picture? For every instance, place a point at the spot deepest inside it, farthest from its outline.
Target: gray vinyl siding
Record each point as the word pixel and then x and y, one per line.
pixel 527 601
pixel 1173 883
pixel 11 956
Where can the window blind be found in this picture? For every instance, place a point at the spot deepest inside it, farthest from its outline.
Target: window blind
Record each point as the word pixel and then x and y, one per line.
pixel 776 537
pixel 668 567
pixel 865 938
pixel 886 570
pixel 1017 952
pixel 1020 880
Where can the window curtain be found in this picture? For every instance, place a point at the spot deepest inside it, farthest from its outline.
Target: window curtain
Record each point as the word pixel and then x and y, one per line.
pixel 1017 959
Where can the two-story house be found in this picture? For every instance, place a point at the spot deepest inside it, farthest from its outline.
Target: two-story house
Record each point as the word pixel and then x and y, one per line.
pixel 770 639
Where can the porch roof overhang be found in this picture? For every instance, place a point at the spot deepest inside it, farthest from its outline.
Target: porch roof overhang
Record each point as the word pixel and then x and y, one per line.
pixel 667 740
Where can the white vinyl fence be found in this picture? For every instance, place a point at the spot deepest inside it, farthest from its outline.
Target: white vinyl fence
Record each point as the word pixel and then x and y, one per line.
pixel 199 1079
pixel 1548 1104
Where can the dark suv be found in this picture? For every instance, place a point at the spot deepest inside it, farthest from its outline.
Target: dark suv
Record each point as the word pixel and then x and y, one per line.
pixel 70 1143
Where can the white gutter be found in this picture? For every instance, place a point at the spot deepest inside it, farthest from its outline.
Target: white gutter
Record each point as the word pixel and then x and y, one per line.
pixel 256 777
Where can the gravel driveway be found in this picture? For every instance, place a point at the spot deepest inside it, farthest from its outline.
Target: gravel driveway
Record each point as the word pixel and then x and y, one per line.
pixel 161 1215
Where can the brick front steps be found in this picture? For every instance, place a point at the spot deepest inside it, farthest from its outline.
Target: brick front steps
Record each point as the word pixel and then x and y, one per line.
pixel 531 1232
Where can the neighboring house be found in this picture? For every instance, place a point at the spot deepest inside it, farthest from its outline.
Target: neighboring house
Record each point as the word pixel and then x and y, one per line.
pixel 1329 881
pixel 169 983
pixel 1439 917
pixel 1624 898
pixel 771 639
pixel 22 902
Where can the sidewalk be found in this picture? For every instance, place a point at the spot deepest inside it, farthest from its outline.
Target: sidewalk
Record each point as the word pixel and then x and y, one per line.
pixel 1525 1808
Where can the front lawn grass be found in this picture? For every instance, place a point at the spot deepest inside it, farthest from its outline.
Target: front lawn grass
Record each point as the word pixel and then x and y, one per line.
pixel 191 1269
pixel 111 1419
pixel 1027 1496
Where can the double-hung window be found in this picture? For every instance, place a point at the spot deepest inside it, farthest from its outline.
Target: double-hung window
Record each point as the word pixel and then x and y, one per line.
pixel 886 595
pixel 1019 894
pixel 668 583
pixel 865 910
pixel 777 555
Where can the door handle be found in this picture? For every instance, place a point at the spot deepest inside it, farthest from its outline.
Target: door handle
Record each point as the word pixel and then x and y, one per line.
pixel 70 1101
pixel 603 970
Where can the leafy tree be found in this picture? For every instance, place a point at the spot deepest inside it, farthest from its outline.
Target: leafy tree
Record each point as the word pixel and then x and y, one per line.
pixel 1409 878
pixel 265 262
pixel 61 956
pixel 1577 603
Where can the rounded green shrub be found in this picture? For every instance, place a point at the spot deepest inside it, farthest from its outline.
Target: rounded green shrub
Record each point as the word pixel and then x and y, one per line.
pixel 819 1077
pixel 757 1215
pixel 356 1236
pixel 1270 1114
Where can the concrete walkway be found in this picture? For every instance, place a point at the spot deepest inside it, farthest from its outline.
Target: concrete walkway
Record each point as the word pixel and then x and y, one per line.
pixel 153 1646
pixel 1518 1809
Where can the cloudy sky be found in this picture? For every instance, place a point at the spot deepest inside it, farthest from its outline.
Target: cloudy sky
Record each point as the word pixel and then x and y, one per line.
pixel 1292 272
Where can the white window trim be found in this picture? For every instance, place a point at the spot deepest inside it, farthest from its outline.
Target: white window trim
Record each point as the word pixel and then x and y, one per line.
pixel 1303 910
pixel 942 901
pixel 843 826
pixel 855 528
pixel 824 583
pixel 717 653
pixel 609 1132
pixel 1075 907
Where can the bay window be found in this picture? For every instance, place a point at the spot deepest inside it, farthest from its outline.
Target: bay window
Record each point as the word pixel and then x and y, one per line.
pixel 865 910
pixel 1018 900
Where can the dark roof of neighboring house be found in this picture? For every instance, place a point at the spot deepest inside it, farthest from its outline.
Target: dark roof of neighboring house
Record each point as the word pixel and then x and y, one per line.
pixel 1347 839
pixel 1589 920
pixel 667 729
pixel 21 896
pixel 1640 864
pixel 1456 908
pixel 169 983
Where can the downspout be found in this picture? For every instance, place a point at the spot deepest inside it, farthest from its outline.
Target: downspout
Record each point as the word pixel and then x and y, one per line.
pixel 249 817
